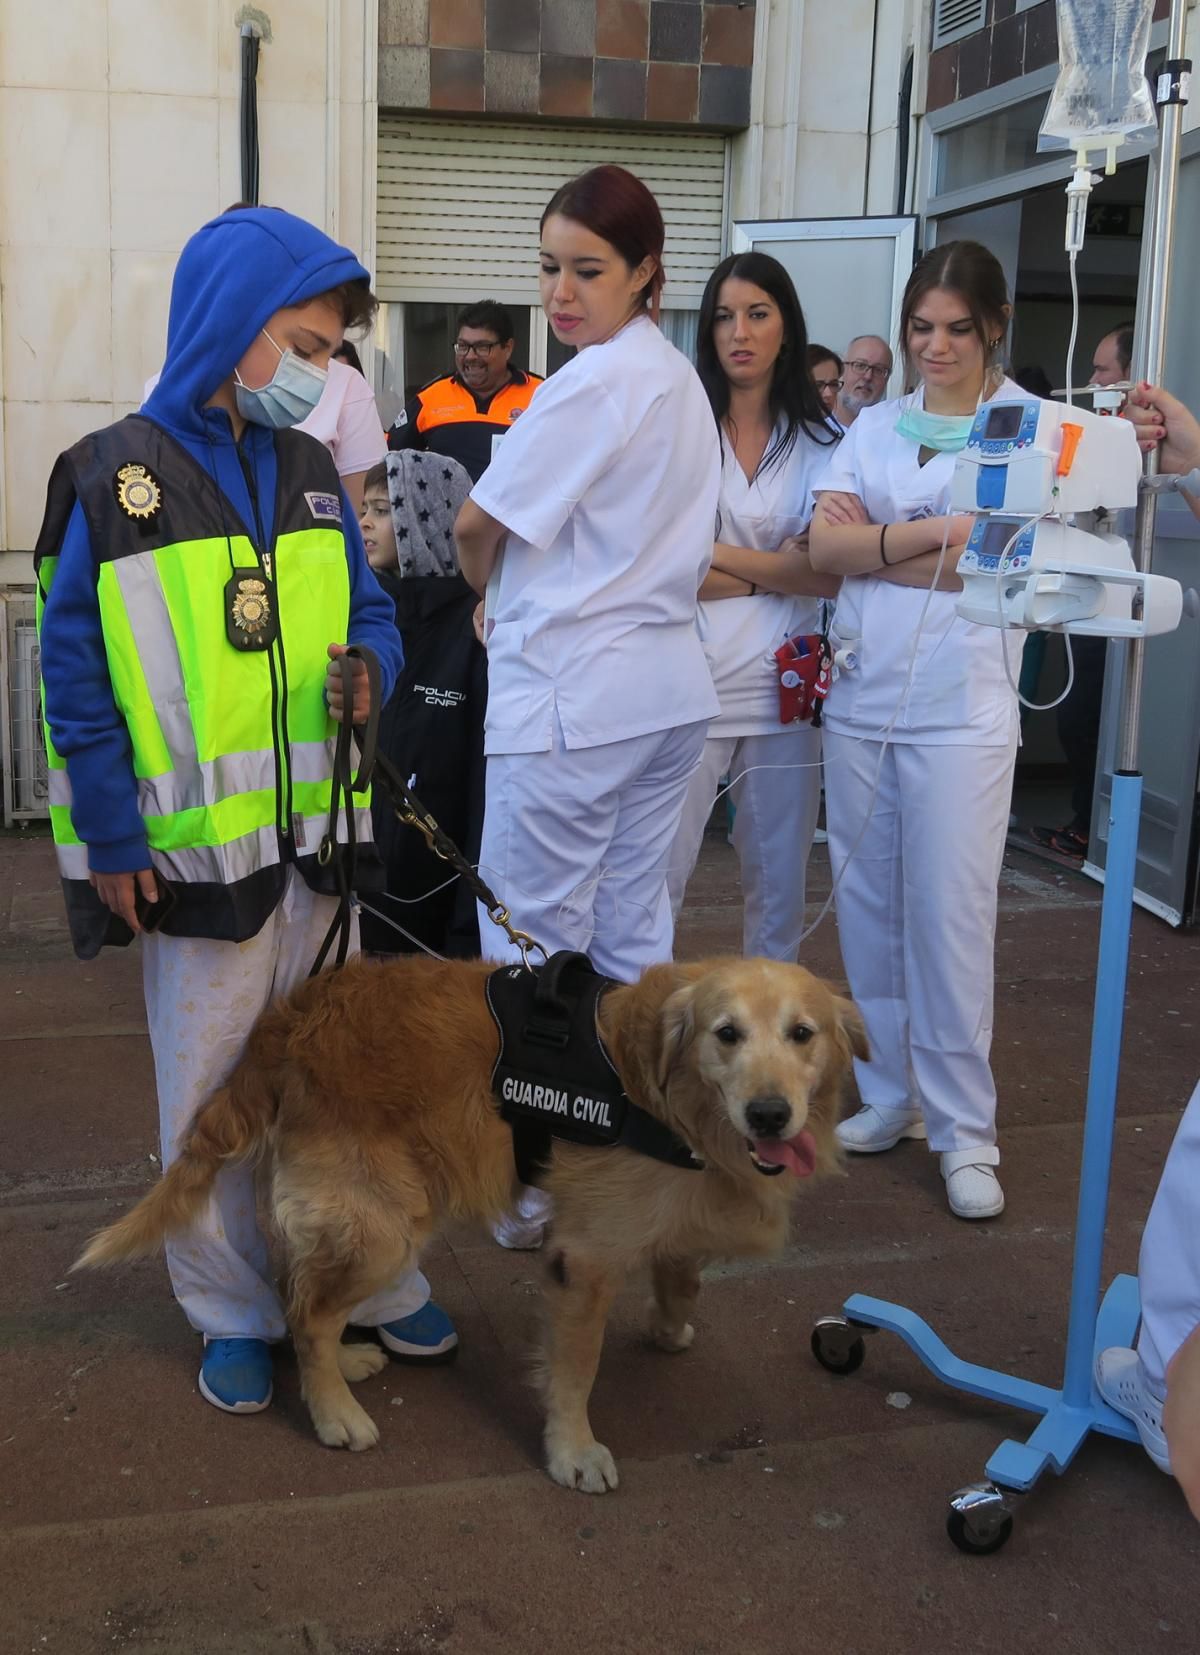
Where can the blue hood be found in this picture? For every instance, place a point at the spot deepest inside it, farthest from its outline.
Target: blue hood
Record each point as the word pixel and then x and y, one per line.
pixel 232 276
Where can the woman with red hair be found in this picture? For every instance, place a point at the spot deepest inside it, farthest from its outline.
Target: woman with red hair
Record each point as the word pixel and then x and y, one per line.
pixel 590 533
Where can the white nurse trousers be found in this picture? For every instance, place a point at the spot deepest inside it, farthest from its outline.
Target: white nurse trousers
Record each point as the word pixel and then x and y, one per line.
pixel 916 909
pixel 776 792
pixel 1169 1266
pixel 576 845
pixel 202 998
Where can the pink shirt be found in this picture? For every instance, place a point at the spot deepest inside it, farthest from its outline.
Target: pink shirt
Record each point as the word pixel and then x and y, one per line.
pixel 347 421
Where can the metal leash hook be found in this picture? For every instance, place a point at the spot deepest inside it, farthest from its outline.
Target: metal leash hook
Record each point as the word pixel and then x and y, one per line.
pixel 412 813
pixel 500 916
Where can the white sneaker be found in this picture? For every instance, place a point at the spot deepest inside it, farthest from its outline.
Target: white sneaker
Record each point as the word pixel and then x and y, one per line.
pixel 1121 1381
pixel 972 1188
pixel 523 1227
pixel 871 1131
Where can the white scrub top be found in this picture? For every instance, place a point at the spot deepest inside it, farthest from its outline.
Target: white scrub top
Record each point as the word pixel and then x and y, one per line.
pixel 741 635
pixel 608 487
pixel 959 692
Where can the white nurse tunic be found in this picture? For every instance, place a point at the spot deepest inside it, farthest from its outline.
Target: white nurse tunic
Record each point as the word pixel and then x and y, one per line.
pixel 774 768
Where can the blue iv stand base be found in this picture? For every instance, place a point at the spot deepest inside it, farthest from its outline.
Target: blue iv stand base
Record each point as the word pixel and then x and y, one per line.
pixel 978 1521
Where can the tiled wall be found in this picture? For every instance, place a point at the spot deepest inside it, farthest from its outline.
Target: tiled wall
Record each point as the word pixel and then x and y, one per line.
pixel 670 61
pixel 1013 43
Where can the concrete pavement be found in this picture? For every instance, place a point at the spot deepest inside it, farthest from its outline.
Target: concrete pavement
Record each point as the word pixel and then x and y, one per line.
pixel 766 1507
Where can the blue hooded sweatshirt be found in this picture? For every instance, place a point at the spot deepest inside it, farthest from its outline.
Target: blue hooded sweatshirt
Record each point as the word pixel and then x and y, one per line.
pixel 232 277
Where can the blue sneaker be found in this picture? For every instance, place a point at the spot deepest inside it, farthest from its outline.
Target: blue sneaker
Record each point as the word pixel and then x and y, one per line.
pixel 426 1336
pixel 236 1375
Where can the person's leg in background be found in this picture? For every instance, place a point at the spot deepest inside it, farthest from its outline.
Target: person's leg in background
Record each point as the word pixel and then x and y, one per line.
pixel 954 807
pixel 1137 1382
pixel 862 813
pixel 715 759
pixel 777 792
pixel 1079 736
pixel 633 924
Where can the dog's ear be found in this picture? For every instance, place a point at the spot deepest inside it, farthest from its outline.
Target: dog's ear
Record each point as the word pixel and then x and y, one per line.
pixel 852 1026
pixel 676 1026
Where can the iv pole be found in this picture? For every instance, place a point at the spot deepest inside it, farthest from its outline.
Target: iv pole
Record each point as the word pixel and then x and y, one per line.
pixel 980 1518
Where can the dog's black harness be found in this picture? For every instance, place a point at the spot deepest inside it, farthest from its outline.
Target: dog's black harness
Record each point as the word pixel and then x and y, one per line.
pixel 553 1077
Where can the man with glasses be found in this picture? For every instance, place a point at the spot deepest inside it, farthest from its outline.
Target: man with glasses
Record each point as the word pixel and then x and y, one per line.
pixel 460 413
pixel 867 369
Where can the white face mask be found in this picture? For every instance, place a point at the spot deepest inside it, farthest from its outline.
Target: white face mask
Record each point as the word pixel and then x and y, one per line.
pixel 288 397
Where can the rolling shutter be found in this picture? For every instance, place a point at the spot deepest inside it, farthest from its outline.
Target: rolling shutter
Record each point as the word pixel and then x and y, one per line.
pixel 460 202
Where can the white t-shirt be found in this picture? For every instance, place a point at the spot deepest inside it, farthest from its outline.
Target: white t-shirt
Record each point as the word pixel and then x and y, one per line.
pixel 741 635
pixel 347 421
pixel 608 486
pixel 959 692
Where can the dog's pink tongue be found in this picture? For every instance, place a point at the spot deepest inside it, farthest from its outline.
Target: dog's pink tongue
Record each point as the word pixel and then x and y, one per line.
pixel 798 1154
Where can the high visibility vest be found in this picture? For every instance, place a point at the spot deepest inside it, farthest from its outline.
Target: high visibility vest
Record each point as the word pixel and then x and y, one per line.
pixel 232 751
pixel 447 401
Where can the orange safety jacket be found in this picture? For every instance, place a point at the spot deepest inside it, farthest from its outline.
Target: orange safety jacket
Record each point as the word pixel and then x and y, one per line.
pixel 447 418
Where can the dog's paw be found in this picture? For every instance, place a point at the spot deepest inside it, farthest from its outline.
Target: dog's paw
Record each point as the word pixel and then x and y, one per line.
pixel 591 1469
pixel 672 1338
pixel 349 1427
pixel 360 1361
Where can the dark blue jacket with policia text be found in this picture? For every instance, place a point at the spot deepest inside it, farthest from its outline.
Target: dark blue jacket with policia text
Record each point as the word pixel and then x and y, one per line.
pixel 176 740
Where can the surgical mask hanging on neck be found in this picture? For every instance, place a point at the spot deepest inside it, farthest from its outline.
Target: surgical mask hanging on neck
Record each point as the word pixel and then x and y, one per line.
pixel 946 433
pixel 288 397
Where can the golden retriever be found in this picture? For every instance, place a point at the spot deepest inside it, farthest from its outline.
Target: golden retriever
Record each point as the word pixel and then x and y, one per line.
pixel 368 1095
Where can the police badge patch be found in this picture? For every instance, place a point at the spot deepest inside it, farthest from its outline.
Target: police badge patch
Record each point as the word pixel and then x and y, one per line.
pixel 326 508
pixel 138 492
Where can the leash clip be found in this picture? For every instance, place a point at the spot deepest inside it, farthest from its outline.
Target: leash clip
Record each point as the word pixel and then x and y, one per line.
pixel 499 915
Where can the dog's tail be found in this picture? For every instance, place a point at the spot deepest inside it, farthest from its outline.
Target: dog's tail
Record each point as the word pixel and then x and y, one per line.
pixel 231 1126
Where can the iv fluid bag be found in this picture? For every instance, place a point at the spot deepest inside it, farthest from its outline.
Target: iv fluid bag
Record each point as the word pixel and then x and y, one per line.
pixel 1101 93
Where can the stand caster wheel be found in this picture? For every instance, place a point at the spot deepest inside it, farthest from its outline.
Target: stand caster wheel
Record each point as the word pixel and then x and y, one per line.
pixel 837 1346
pixel 979 1521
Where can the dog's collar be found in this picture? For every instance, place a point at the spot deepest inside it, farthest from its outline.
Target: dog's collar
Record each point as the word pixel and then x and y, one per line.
pixel 554 1077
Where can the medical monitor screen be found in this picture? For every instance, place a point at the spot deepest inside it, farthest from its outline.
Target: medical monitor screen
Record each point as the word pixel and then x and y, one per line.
pixel 1005 421
pixel 996 536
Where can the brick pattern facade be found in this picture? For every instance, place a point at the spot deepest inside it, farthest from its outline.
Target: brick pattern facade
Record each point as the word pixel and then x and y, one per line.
pixel 674 62
pixel 1011 44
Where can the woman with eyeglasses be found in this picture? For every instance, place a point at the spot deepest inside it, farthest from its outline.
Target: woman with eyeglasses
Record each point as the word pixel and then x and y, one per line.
pixel 917 824
pixel 825 366
pixel 752 357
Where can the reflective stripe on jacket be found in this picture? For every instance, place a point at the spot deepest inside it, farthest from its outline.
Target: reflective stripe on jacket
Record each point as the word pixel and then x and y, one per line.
pixel 232 750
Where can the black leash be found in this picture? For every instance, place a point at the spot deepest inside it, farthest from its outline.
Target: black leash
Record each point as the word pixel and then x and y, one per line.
pixel 343 786
pixel 376 766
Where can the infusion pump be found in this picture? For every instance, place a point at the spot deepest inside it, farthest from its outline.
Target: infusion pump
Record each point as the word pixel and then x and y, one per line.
pixel 1032 456
pixel 1026 466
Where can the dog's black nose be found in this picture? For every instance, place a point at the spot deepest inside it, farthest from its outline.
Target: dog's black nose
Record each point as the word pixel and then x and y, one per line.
pixel 767 1117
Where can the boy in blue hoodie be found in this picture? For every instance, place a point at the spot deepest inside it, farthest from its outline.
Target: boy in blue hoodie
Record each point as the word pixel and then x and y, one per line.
pixel 200 571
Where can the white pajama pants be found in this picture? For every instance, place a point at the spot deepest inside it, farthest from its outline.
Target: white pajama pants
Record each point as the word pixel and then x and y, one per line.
pixel 1169 1266
pixel 916 908
pixel 776 791
pixel 202 998
pixel 576 845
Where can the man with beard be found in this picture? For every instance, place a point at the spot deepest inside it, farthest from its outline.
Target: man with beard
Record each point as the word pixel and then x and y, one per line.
pixel 866 371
